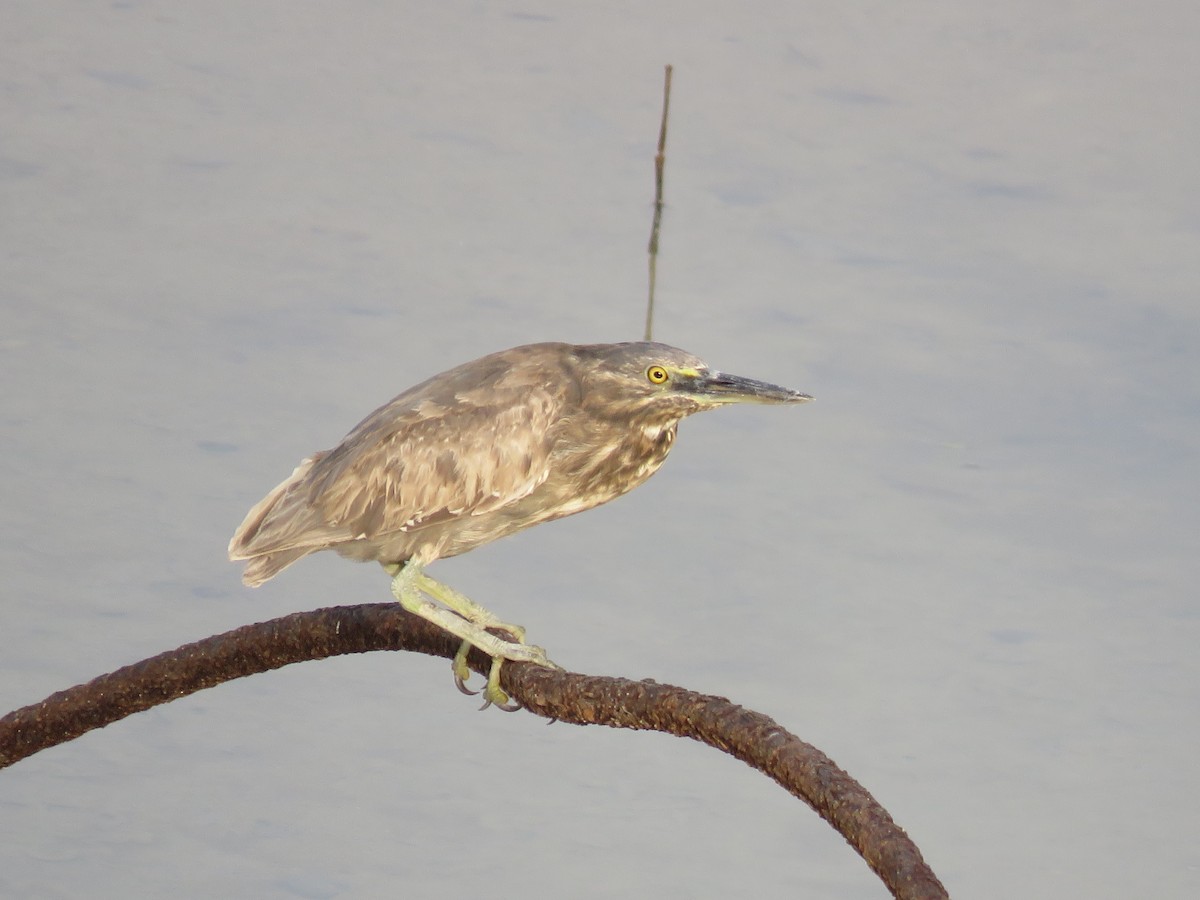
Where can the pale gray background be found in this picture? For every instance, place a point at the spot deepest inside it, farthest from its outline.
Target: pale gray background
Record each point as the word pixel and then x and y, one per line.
pixel 968 572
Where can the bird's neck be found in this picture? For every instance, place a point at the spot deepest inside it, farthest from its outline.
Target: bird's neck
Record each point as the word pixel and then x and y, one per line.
pixel 598 470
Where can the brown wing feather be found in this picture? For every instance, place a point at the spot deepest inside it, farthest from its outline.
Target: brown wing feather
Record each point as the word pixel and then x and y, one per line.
pixel 437 463
pixel 465 443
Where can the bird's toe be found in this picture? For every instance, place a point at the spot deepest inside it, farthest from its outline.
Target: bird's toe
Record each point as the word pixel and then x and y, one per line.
pixel 462 673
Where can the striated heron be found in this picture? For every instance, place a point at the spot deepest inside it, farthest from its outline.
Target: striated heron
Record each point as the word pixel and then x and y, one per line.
pixel 484 450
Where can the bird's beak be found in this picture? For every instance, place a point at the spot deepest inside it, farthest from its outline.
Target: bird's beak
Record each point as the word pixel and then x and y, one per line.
pixel 717 387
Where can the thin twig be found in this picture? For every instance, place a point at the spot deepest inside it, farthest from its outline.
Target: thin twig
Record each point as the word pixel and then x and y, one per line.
pixel 660 161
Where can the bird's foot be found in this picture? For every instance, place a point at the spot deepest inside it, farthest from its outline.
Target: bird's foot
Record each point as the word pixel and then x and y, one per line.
pixel 469 622
pixel 493 694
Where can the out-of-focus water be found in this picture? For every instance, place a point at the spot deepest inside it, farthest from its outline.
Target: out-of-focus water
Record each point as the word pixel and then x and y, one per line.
pixel 967 572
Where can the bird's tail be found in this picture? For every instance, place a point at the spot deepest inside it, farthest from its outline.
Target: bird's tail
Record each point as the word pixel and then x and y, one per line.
pixel 267 535
pixel 264 568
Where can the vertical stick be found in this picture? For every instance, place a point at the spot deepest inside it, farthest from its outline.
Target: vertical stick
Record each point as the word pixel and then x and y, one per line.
pixel 660 161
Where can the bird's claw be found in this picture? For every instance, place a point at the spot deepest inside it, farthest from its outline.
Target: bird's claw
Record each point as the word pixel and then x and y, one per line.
pixel 493 694
pixel 497 698
pixel 501 702
pixel 461 684
pixel 462 672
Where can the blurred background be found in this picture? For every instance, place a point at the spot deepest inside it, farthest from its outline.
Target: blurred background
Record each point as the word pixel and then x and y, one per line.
pixel 967 572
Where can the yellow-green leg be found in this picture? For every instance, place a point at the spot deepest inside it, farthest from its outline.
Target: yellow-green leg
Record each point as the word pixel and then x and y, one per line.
pixel 484 618
pixel 469 621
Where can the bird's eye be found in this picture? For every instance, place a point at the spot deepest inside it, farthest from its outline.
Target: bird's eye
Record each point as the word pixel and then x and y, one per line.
pixel 657 375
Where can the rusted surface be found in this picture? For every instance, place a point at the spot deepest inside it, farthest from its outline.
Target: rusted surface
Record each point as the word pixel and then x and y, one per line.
pixel 192 667
pixel 757 740
pixel 579 699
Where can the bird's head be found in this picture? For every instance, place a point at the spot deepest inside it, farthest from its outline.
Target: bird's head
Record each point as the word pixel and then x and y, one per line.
pixel 657 381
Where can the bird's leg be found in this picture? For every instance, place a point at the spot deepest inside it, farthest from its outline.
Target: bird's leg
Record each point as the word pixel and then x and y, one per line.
pixel 484 618
pixel 468 608
pixel 409 587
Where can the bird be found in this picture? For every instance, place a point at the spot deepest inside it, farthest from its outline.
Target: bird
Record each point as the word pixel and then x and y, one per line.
pixel 483 450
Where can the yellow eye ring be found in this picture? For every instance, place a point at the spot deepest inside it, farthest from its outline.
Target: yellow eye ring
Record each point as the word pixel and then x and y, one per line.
pixel 657 375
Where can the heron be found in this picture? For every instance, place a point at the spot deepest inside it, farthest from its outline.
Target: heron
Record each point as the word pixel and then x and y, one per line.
pixel 483 450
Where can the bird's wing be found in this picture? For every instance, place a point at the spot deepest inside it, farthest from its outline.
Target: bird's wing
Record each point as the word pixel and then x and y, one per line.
pixel 402 469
